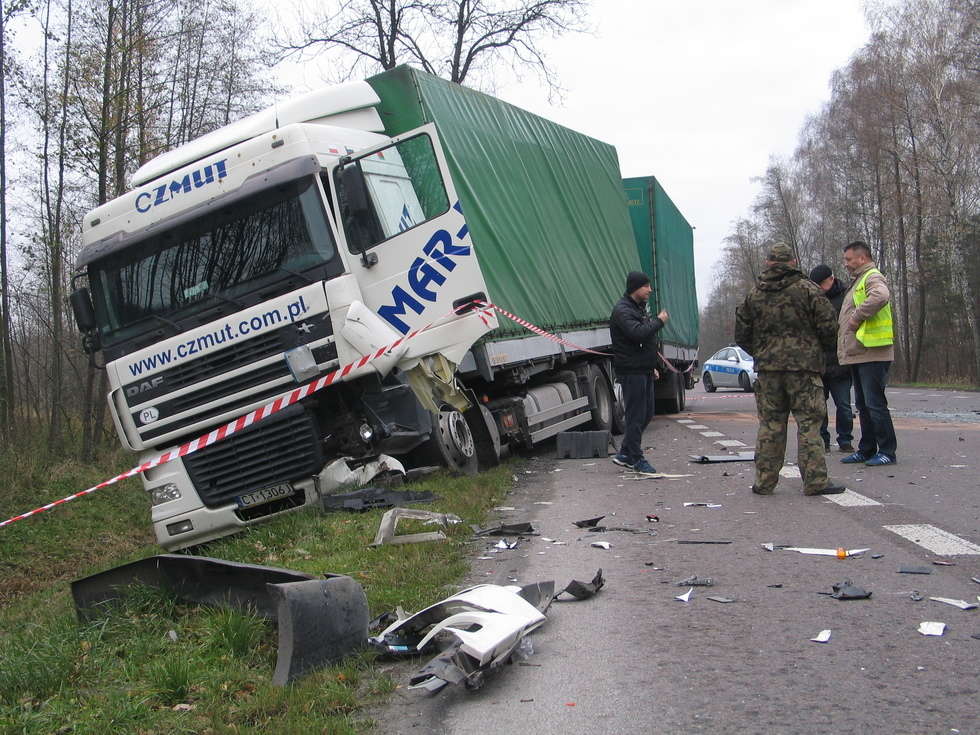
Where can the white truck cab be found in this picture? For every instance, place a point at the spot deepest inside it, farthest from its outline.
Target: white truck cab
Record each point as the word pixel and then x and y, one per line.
pixel 258 258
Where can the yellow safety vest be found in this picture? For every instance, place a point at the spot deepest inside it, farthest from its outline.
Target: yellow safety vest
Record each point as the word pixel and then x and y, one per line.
pixel 876 330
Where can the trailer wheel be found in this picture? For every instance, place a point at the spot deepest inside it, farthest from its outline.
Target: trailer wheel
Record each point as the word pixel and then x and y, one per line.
pixel 600 399
pixel 451 444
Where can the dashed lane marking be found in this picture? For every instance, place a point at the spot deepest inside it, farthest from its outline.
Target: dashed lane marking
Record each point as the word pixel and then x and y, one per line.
pixel 711 433
pixel 935 539
pixel 685 421
pixel 790 471
pixel 851 499
pixel 696 427
pixel 729 443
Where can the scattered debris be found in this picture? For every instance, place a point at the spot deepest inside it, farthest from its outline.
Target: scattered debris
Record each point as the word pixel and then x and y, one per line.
pixel 975 579
pixel 601 545
pixel 773 547
pixel 961 604
pixel 505 544
pixel 369 498
pixel 589 522
pixel 775 586
pixel 651 518
pixel 877 556
pixel 389 521
pixel 686 597
pixel 702 505
pixel 584 590
pixel 484 624
pixel 825 552
pixel 696 582
pixel 914 570
pixel 932 628
pixel 507 529
pixel 846 590
pixel 715 458
pixel 822 637
pixel 715 598
pixel 701 541
pixel 944 563
pixel 916 596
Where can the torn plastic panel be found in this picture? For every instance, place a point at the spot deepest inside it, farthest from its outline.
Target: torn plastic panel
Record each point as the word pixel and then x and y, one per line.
pixel 389 521
pixel 584 590
pixel 339 474
pixel 370 498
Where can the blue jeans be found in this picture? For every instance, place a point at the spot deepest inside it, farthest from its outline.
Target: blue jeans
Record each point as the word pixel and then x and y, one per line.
pixel 638 404
pixel 840 389
pixel 877 430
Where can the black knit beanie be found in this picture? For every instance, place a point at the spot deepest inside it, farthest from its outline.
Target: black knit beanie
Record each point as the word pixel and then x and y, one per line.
pixel 635 280
pixel 821 273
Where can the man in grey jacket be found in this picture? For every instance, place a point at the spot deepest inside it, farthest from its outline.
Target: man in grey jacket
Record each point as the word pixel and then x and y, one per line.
pixel 865 342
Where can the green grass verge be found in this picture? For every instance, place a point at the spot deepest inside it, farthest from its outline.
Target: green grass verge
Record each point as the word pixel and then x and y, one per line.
pixel 158 666
pixel 951 384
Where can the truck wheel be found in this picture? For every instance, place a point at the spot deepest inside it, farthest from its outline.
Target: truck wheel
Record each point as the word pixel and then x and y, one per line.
pixel 674 390
pixel 618 412
pixel 708 383
pixel 600 399
pixel 744 383
pixel 451 444
pixel 486 437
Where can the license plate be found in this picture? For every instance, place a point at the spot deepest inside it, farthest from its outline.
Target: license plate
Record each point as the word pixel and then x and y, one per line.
pixel 265 495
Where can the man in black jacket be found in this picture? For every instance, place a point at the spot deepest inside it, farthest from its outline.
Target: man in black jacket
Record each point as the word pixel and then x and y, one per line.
pixel 836 379
pixel 635 359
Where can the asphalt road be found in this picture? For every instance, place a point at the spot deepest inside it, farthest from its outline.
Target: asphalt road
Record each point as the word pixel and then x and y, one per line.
pixel 635 660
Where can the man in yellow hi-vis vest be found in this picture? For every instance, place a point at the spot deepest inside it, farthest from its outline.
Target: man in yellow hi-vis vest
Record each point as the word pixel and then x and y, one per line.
pixel 865 342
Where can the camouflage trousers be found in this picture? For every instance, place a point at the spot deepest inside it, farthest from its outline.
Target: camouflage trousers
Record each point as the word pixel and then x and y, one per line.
pixel 777 394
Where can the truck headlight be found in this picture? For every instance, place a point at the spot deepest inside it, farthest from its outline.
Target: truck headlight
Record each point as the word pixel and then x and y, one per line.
pixel 164 493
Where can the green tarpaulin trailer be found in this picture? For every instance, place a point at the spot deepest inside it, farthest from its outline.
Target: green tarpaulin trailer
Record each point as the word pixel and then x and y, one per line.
pixel 544 203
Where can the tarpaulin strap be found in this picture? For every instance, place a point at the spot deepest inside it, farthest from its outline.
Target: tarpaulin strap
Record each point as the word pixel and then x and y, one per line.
pixel 539 331
pixel 241 422
pixel 675 370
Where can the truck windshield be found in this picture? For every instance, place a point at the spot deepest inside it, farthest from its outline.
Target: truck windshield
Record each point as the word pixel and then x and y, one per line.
pixel 222 257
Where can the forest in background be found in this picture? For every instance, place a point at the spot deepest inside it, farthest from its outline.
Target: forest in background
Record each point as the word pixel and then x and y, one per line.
pixel 892 159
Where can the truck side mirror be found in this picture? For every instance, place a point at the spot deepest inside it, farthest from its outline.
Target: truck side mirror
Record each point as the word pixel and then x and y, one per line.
pixel 81 306
pixel 357 211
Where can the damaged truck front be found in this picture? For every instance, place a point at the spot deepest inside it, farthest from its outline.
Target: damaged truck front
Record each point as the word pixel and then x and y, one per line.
pixel 260 257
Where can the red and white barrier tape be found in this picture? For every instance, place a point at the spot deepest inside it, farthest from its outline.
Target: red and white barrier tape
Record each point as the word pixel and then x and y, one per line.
pixel 675 370
pixel 289 399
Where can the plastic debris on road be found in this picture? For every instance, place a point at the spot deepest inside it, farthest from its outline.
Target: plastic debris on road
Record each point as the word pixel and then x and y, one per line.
pixel 507 529
pixel 914 570
pixel 717 598
pixel 589 522
pixel 702 505
pixel 584 590
pixel 961 604
pixel 716 458
pixel 505 544
pixel 846 590
pixel 601 545
pixel 822 637
pixel 932 628
pixel 701 541
pixel 695 582
pixel 823 552
pixel 686 597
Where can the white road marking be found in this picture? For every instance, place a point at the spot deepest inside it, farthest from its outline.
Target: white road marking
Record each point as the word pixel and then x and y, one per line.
pixel 790 471
pixel 852 499
pixel 697 427
pixel 729 443
pixel 935 539
pixel 711 433
pixel 685 421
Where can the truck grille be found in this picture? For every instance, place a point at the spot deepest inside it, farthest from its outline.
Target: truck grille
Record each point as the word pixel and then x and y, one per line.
pixel 282 448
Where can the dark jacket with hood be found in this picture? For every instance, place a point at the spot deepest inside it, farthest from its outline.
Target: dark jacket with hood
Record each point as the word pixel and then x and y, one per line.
pixel 832 367
pixel 633 333
pixel 786 323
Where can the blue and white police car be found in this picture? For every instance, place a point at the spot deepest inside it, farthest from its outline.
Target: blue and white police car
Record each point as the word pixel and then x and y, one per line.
pixel 729 367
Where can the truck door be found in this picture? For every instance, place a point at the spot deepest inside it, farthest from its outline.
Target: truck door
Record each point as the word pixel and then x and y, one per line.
pixel 402 220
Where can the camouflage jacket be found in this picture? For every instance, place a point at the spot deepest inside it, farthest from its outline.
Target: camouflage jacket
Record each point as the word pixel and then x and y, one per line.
pixel 786 323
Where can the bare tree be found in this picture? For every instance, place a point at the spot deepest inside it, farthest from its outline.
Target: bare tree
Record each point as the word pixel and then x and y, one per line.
pixel 459 40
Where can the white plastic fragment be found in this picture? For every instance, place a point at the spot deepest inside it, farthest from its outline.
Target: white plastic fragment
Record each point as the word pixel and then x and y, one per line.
pixel 601 545
pixel 505 544
pixel 961 604
pixel 824 552
pixel 702 505
pixel 822 637
pixel 686 597
pixel 932 628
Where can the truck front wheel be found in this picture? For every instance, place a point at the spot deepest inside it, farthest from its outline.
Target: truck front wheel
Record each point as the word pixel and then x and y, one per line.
pixel 451 444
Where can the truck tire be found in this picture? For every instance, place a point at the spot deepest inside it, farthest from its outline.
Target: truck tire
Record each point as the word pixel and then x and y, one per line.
pixel 673 400
pixel 486 437
pixel 600 399
pixel 451 444
pixel 619 412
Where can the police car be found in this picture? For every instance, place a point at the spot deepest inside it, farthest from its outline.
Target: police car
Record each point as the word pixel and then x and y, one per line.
pixel 729 367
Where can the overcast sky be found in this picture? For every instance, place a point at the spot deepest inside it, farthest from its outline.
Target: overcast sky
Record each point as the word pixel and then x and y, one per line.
pixel 699 93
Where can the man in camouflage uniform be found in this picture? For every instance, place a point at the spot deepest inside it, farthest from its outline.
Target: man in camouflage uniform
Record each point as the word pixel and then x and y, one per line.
pixel 787 324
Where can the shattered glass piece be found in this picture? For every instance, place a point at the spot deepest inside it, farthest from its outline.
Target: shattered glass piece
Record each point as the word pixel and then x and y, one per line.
pixel 932 628
pixel 589 522
pixel 961 604
pixel 696 582
pixel 822 637
pixel 686 597
pixel 914 570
